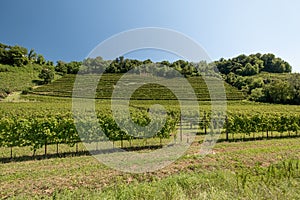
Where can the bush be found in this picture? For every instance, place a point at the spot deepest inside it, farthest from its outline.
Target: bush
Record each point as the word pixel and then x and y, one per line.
pixel 257 94
pixel 4 93
pixel 27 90
pixel 47 75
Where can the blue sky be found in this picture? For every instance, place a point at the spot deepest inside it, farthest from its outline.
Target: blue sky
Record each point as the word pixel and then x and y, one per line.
pixel 70 29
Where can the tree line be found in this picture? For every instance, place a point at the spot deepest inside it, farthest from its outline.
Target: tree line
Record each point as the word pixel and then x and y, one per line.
pixel 20 56
pixel 162 69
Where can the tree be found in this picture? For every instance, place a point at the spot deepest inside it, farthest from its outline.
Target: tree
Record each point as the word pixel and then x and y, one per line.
pixel 278 92
pixel 257 94
pixel 17 56
pixel 275 65
pixel 47 74
pixel 73 67
pixel 250 70
pixel 40 60
pixel 32 56
pixel 61 67
pixel 295 83
pixel 256 83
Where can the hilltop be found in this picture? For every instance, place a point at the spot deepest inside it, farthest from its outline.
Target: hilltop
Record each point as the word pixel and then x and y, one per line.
pixel 263 77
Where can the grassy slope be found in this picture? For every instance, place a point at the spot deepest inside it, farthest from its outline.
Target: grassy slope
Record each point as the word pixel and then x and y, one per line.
pixel 275 76
pixel 242 170
pixel 18 78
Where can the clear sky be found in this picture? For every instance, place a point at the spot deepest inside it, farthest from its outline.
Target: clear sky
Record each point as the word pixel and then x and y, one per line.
pixel 70 29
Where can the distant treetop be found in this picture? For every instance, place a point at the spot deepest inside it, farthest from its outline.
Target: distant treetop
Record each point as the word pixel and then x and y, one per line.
pixel 253 64
pixel 19 56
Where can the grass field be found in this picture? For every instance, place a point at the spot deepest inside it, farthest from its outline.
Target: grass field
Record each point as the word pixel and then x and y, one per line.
pixel 266 169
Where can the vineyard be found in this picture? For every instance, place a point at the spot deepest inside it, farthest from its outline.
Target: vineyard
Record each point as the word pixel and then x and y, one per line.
pixel 145 100
pixel 64 87
pixel 39 124
pixel 43 128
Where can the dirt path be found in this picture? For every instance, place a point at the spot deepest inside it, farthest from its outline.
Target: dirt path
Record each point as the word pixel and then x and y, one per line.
pixel 13 97
pixel 16 96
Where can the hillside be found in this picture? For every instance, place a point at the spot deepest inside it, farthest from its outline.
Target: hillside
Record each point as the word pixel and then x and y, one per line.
pixel 276 76
pixel 264 77
pixel 64 86
pixel 20 69
pixel 17 78
pixel 257 77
